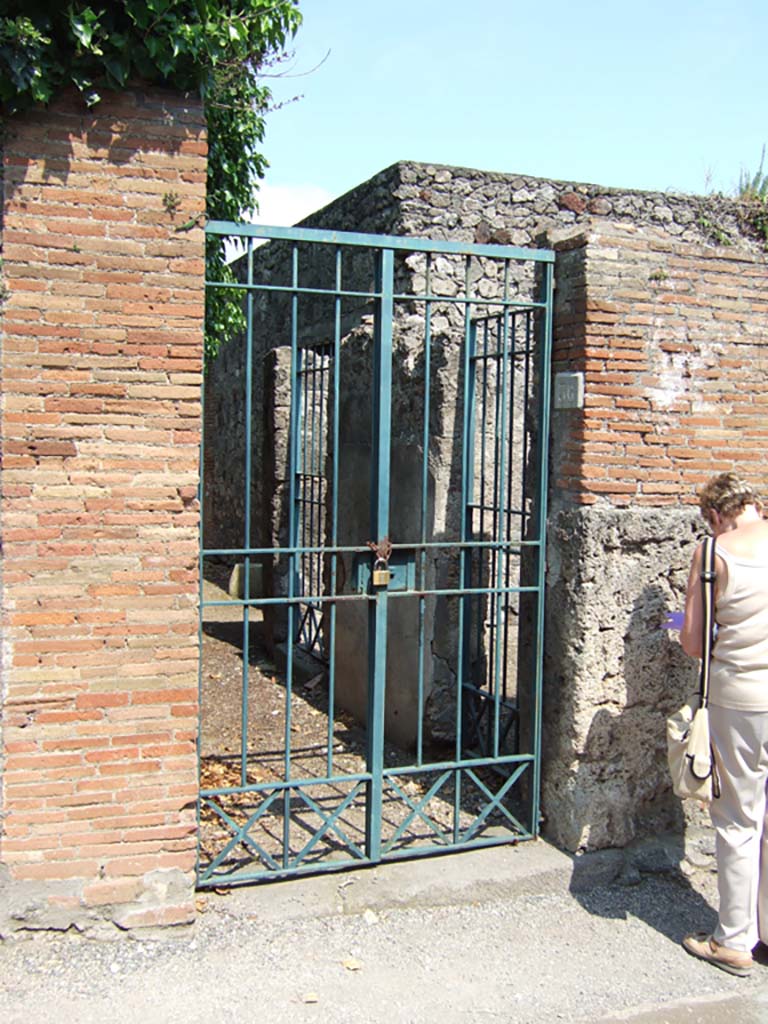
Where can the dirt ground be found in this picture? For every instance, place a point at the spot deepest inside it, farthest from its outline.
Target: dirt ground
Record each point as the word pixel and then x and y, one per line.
pixel 290 827
pixel 222 690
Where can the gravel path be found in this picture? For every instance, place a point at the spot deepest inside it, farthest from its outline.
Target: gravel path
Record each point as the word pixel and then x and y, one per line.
pixel 538 953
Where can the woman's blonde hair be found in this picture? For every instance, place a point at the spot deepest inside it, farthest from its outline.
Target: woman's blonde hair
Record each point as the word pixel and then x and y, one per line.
pixel 728 495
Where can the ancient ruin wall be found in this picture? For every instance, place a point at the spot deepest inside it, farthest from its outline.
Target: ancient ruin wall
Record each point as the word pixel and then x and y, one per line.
pixel 459 204
pixel 671 339
pixel 660 305
pixel 101 367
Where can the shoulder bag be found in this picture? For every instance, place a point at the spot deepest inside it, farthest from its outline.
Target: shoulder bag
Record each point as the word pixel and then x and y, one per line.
pixel 689 748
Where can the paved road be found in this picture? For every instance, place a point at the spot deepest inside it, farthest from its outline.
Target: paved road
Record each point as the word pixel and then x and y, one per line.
pixel 510 934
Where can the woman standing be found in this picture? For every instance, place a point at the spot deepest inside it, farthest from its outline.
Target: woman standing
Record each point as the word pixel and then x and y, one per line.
pixel 738 704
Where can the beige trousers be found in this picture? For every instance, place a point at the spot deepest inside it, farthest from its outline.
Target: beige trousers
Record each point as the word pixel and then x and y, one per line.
pixel 740 739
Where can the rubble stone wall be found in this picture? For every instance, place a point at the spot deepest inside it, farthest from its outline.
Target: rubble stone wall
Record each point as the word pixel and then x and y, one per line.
pixel 513 209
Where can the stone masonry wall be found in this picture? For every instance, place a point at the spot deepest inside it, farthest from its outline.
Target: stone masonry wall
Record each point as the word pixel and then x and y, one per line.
pixel 660 303
pixel 471 205
pixel 101 373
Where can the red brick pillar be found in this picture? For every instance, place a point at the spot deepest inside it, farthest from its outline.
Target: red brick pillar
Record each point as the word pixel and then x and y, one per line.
pixel 101 368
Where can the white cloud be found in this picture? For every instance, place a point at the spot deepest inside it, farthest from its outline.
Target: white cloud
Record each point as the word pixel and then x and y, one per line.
pixel 281 206
pixel 288 204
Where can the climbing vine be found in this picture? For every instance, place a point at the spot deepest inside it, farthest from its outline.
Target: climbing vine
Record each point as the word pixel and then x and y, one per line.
pixel 216 48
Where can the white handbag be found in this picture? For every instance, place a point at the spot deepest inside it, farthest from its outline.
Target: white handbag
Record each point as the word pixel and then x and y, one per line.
pixel 689 746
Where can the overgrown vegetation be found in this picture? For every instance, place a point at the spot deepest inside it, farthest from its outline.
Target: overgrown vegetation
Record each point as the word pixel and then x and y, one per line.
pixel 744 209
pixel 754 186
pixel 216 48
pixel 752 193
pixel 711 221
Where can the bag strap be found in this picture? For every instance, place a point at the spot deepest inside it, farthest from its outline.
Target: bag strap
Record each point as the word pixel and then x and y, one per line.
pixel 708 577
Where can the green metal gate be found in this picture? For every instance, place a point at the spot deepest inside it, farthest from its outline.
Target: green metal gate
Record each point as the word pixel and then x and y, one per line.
pixel 395 509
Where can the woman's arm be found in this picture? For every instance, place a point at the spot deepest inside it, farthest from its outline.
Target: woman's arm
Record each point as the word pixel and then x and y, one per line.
pixel 691 634
pixel 693 623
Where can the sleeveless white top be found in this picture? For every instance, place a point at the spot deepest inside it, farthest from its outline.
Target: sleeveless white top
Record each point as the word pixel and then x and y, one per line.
pixel 739 672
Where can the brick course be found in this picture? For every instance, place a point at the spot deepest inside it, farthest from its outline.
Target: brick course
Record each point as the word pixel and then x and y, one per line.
pixel 101 366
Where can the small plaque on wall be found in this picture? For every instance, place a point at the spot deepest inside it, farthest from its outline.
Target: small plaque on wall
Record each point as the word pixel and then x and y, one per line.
pixel 569 390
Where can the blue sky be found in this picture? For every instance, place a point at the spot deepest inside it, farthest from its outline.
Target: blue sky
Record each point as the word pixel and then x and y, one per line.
pixel 665 95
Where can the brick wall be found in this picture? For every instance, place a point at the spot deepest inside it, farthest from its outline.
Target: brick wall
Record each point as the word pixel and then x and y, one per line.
pixel 671 338
pixel 101 368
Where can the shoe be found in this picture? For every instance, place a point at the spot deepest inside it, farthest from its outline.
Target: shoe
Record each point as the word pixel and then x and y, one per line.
pixel 734 961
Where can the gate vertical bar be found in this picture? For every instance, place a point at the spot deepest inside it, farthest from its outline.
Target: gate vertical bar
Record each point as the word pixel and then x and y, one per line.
pixel 424 507
pixel 510 508
pixel 484 555
pixel 501 535
pixel 465 562
pixel 545 374
pixel 294 449
pixel 333 529
pixel 467 530
pixel 248 469
pixel 377 615
pixel 200 617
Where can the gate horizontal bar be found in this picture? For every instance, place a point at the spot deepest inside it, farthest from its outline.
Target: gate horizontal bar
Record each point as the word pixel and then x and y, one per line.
pixel 257 602
pixel 510 547
pixel 459 300
pixel 478 762
pixel 277 784
pixel 323 236
pixel 415 769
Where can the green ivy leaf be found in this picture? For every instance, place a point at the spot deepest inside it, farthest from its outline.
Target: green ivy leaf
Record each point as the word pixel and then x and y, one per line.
pixel 118 69
pixel 84 24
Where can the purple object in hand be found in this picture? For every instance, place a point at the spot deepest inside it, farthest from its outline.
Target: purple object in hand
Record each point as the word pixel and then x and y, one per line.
pixel 674 620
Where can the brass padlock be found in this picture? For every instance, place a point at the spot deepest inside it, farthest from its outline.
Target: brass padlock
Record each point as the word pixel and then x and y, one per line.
pixel 381 574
